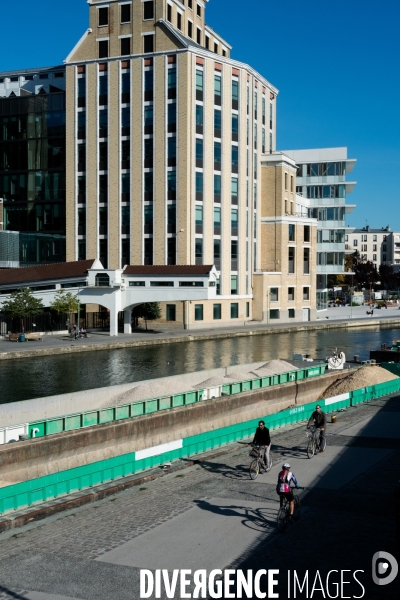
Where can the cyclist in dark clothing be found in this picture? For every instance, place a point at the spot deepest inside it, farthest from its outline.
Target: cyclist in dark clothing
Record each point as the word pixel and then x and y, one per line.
pixel 319 418
pixel 262 438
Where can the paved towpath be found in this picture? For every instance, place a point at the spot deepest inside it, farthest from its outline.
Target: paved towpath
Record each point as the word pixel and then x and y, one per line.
pixel 211 515
pixel 333 318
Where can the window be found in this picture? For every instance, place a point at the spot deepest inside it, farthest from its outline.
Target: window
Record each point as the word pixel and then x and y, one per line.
pixel 103 123
pixel 191 284
pixel 171 218
pixel 234 310
pixel 306 233
pixel 291 313
pixel 217 89
pixel 125 187
pixel 374 257
pixel 169 13
pixel 171 185
pixel 274 313
pixel 172 83
pixel 291 256
pixel 198 10
pixel 148 43
pixel 171 251
pixel 235 127
pixel 292 230
pixel 148 10
pixel 148 85
pixel 125 13
pixel 179 21
pixel 306 261
pixel 190 29
pixel 148 251
pixel 235 156
pixel 199 152
pixel 170 312
pixel 217 155
pixel 234 221
pixel 125 46
pixel 286 180
pixel 247 309
pixel 217 188
pixel 235 94
pixel 199 118
pixel 199 185
pixel 161 284
pixel 198 312
pixel 217 311
pixel 125 87
pixel 199 84
pixel 199 251
pixel 215 47
pixel 148 186
pixel 172 151
pixel 234 255
pixel 190 4
pixel 199 219
pixel 355 243
pixel 103 49
pixel 103 16
pixel 207 42
pixel 291 294
pixel 234 284
pixel 234 190
pixel 172 117
pixel 274 294
pixel 306 293
pixel 217 123
pixel 198 36
pixel 148 119
pixel 217 254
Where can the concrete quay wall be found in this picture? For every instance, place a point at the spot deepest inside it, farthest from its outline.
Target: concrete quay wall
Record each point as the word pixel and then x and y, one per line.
pixel 52 454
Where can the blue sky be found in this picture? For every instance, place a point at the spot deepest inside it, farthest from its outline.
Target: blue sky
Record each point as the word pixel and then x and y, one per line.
pixel 335 62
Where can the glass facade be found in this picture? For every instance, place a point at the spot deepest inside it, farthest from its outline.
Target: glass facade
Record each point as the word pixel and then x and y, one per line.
pixel 32 174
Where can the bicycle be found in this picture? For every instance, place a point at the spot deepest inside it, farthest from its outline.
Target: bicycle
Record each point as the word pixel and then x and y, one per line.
pixel 313 446
pixel 283 518
pixel 258 463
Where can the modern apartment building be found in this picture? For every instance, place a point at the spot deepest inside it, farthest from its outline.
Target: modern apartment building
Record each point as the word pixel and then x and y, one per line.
pixel 321 178
pixel 165 134
pixel 32 162
pixel 380 246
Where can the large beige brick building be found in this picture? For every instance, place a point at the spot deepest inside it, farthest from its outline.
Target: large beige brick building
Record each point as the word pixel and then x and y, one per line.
pixel 171 159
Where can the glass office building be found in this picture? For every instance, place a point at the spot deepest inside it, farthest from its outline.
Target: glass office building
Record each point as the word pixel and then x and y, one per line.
pixel 32 163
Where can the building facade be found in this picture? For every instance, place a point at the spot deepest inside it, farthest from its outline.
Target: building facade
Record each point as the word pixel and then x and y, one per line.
pixel 321 179
pixel 32 162
pixel 379 246
pixel 165 134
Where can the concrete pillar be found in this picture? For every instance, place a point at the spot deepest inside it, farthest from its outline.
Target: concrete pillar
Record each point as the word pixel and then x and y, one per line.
pixel 113 321
pixel 128 320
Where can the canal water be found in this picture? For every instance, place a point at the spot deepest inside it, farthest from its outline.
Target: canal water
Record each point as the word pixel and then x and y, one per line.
pixel 46 376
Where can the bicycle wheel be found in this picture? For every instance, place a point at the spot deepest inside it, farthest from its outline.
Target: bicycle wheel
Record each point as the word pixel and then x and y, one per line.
pixel 254 469
pixel 296 514
pixel 281 519
pixel 311 448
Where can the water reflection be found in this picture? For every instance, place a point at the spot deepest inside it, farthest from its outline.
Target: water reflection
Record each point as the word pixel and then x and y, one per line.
pixel 46 376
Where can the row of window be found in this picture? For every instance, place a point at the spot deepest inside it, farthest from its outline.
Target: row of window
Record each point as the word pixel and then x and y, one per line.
pixel 292 232
pixel 364 238
pixel 274 294
pixel 327 169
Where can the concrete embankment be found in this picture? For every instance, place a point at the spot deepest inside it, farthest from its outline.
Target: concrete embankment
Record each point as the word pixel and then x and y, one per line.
pixel 59 347
pixel 55 453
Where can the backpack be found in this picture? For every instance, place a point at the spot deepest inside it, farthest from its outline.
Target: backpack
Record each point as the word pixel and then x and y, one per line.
pixel 283 486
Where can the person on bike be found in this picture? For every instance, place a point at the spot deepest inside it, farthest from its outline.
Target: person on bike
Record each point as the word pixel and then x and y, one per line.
pixel 283 487
pixel 262 438
pixel 319 418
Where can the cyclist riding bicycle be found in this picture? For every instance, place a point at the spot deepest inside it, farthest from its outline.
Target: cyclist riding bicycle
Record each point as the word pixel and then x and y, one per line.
pixel 319 418
pixel 283 487
pixel 262 438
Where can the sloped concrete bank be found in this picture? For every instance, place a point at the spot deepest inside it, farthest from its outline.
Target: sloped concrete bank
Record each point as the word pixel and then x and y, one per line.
pixel 193 337
pixel 36 458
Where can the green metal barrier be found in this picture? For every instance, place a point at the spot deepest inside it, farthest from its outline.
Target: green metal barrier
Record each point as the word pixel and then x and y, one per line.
pixel 52 486
pixel 151 405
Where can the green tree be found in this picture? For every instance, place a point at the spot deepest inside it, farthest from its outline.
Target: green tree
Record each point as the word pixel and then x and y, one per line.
pixel 366 273
pixel 65 303
pixel 22 304
pixel 150 311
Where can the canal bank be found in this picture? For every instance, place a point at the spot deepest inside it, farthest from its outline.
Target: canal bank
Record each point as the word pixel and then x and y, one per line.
pixel 54 344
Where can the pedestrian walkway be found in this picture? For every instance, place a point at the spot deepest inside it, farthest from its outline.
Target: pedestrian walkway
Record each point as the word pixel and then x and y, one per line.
pixel 210 515
pixel 337 317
